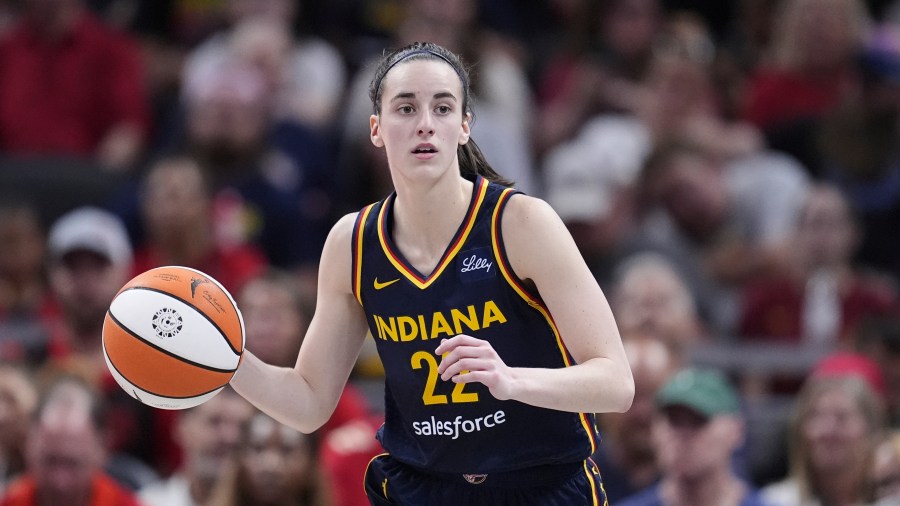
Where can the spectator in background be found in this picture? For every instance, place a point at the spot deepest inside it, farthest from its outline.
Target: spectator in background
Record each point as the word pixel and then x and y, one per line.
pixel 697 430
pixel 71 86
pixel 65 453
pixel 582 188
pixel 745 42
pixel 721 224
pixel 879 339
pixel 885 470
pixel 628 457
pixel 599 70
pixel 276 314
pixel 24 296
pixel 823 296
pixel 208 436
pixel 181 228
pixel 855 148
pixel 809 67
pixel 22 287
pixel 281 195
pixel 89 259
pixel 650 298
pixel 305 74
pixel 344 454
pixel 276 466
pixel 277 311
pixel 274 196
pixel 18 400
pixel 593 179
pixel 835 422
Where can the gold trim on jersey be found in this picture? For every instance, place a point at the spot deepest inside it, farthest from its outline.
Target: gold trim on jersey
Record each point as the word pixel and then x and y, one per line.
pixel 532 300
pixel 449 254
pixel 358 232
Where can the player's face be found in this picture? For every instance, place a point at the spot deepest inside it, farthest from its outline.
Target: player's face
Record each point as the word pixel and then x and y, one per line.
pixel 422 122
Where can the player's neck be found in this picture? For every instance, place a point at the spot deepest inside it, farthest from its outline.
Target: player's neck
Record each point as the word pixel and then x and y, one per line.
pixel 427 218
pixel 429 210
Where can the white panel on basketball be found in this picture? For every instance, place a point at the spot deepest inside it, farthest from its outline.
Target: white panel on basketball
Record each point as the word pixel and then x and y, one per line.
pixel 156 400
pixel 174 326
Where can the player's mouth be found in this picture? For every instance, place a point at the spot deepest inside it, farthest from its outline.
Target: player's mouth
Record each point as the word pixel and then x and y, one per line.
pixel 424 151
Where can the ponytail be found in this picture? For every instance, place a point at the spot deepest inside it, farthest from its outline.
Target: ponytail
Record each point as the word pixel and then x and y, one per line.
pixel 472 163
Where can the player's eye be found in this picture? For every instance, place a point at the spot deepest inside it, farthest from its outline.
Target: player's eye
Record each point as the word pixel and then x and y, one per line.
pixel 406 109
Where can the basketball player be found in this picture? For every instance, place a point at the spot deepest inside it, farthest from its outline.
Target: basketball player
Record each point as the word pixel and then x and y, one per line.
pixel 497 343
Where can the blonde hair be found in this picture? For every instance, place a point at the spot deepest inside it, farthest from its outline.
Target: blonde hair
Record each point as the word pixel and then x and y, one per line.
pixel 864 399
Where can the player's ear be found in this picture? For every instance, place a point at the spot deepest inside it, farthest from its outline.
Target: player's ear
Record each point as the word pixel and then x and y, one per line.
pixel 465 131
pixel 375 131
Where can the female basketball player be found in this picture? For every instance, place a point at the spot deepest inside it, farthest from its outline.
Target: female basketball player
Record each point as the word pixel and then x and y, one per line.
pixel 498 345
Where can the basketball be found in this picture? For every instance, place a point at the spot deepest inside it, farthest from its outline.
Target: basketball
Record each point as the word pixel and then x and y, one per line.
pixel 173 337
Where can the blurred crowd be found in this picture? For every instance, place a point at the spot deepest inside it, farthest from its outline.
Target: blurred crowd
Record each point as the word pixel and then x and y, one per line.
pixel 730 170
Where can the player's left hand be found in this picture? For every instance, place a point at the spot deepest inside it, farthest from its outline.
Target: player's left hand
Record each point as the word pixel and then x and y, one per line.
pixel 466 359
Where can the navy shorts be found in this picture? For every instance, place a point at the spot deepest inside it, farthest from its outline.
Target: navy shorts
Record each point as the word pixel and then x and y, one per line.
pixel 389 481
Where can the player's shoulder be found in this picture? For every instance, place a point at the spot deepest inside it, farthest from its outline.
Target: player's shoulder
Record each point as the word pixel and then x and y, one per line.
pixel 341 233
pixel 528 212
pixel 336 256
pixel 528 221
pixel 345 224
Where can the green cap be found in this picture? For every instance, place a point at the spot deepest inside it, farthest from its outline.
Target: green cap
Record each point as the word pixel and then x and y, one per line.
pixel 706 391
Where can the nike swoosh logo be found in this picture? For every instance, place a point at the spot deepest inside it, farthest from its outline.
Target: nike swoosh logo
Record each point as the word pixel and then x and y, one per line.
pixel 379 286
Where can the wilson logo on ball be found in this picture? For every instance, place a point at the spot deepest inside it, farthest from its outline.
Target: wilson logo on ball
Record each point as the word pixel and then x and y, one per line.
pixel 167 323
pixel 195 282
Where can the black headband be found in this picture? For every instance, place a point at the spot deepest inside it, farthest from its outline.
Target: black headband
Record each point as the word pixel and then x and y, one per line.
pixel 462 78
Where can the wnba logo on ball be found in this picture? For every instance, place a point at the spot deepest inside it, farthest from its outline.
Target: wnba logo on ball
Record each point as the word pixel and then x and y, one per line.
pixel 167 323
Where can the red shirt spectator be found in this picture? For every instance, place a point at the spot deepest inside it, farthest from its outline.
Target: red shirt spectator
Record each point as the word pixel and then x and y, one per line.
pixel 64 89
pixel 104 492
pixel 183 226
pixel 773 308
pixel 810 63
pixel 823 295
pixel 776 98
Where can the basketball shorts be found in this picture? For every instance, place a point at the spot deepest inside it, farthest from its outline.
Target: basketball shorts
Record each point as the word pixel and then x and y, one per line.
pixel 390 482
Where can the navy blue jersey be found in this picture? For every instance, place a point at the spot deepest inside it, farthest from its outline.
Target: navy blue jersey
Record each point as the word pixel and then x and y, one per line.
pixel 440 425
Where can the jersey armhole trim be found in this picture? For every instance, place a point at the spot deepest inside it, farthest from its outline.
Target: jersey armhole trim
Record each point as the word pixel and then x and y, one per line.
pixel 513 280
pixel 500 254
pixel 534 301
pixel 357 248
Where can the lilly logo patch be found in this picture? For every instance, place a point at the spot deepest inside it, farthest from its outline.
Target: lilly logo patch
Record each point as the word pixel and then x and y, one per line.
pixel 476 264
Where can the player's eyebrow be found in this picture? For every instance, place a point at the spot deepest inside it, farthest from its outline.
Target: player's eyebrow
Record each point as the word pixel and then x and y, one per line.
pixel 406 95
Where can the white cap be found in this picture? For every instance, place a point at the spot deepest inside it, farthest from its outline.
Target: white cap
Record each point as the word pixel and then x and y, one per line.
pixel 583 174
pixel 576 187
pixel 90 229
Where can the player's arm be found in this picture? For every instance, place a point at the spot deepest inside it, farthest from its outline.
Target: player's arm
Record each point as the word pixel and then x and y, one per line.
pixel 305 396
pixel 541 249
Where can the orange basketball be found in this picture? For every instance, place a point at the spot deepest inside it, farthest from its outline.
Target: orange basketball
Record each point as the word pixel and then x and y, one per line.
pixel 173 337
